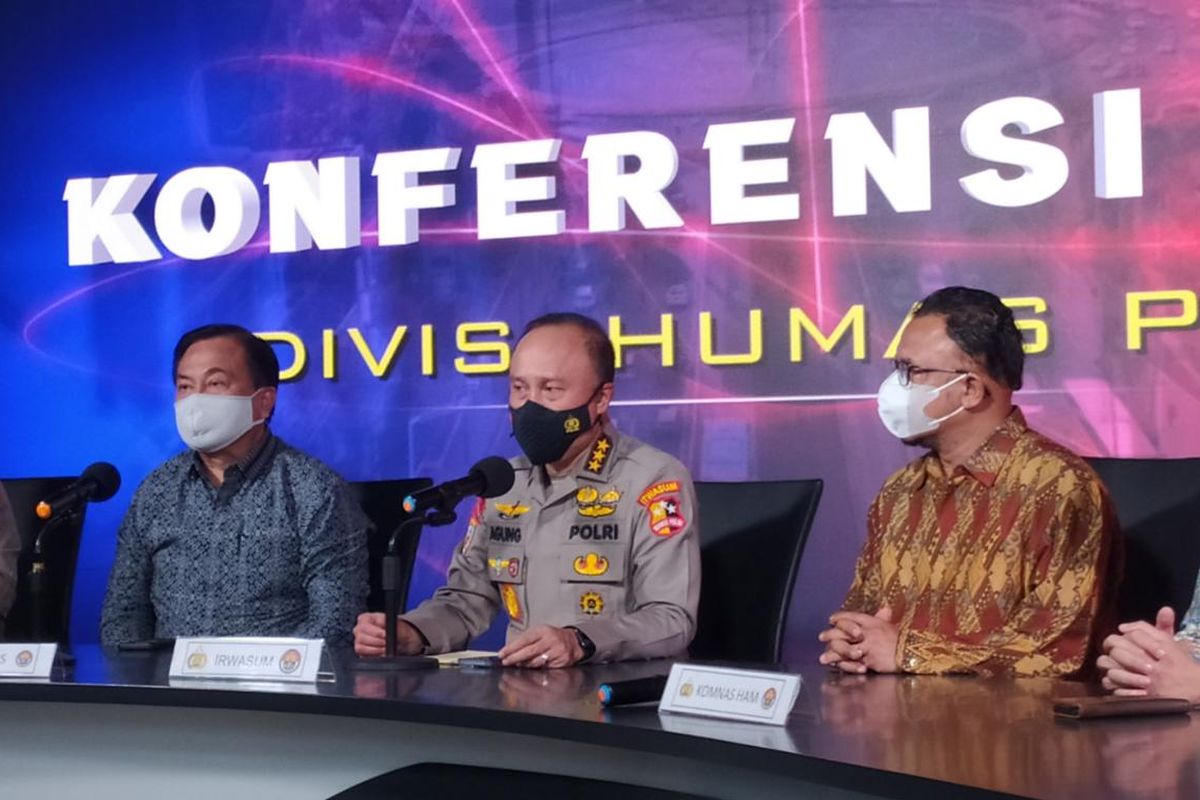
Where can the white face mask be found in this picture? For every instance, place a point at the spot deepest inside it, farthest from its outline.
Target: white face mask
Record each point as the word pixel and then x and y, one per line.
pixel 902 408
pixel 211 422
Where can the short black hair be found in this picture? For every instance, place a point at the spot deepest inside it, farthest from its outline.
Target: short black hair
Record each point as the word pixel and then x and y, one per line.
pixel 260 357
pixel 600 347
pixel 983 328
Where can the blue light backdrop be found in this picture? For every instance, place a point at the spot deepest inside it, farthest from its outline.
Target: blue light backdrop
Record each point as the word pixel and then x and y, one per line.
pixel 100 89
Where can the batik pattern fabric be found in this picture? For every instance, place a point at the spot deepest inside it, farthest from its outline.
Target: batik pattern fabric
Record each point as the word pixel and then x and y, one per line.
pixel 278 549
pixel 1007 565
pixel 1189 631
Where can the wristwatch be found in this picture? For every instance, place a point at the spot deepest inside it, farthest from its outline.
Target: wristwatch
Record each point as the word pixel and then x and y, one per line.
pixel 585 644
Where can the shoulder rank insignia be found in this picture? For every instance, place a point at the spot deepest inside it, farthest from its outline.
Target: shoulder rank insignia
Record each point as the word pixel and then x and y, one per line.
pixel 596 459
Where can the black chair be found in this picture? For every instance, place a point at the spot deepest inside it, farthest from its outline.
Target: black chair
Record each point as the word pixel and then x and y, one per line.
pixel 1158 505
pixel 381 501
pixel 60 549
pixel 751 538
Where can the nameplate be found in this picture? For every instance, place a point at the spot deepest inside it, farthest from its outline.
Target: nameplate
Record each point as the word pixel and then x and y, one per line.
pixel 27 660
pixel 247 658
pixel 737 694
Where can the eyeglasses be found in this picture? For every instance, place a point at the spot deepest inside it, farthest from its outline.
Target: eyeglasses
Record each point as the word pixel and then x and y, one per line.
pixel 907 371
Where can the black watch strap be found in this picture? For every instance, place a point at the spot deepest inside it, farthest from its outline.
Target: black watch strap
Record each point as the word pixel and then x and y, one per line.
pixel 585 644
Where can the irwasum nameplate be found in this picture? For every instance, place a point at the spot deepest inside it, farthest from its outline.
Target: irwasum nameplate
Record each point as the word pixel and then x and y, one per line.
pixel 740 694
pixel 248 658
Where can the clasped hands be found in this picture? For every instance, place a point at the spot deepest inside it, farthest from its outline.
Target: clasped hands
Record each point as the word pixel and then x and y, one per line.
pixel 1146 660
pixel 540 647
pixel 857 642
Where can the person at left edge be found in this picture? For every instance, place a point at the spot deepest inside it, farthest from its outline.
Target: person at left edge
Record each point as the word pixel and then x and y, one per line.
pixel 242 534
pixel 10 548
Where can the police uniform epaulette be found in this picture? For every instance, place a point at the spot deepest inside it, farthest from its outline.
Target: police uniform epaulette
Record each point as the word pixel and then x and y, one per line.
pixel 600 454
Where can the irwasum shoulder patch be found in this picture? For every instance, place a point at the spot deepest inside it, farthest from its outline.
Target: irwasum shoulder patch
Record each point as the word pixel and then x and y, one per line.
pixel 666 509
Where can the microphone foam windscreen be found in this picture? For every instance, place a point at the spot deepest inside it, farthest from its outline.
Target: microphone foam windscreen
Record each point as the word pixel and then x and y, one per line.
pixel 497 475
pixel 107 478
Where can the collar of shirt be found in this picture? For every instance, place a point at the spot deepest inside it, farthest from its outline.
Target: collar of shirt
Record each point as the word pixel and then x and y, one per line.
pixel 595 464
pixel 245 471
pixel 985 463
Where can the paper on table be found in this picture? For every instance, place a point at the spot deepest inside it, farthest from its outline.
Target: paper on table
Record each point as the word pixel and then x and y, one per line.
pixel 451 659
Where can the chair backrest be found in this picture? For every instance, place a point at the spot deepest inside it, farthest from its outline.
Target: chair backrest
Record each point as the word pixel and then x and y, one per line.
pixel 1158 505
pixel 60 548
pixel 751 538
pixel 381 502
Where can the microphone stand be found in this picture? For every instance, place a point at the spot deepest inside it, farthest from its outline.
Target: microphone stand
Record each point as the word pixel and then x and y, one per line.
pixel 37 585
pixel 390 661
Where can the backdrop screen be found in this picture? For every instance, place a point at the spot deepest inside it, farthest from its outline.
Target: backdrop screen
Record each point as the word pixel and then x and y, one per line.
pixel 750 194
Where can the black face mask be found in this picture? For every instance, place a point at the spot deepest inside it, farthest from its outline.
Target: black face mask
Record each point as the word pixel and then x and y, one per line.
pixel 544 434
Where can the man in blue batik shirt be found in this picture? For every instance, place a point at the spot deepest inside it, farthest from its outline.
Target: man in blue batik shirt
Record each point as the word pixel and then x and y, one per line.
pixel 241 535
pixel 1155 660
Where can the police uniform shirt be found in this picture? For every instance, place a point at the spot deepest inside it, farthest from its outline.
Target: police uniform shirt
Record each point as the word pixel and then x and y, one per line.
pixel 611 548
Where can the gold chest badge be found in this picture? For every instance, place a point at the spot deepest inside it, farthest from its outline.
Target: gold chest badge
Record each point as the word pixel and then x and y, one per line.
pixel 592 565
pixel 511 510
pixel 593 502
pixel 591 603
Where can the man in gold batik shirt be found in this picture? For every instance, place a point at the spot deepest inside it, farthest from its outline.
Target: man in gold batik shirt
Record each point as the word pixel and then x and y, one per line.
pixel 998 550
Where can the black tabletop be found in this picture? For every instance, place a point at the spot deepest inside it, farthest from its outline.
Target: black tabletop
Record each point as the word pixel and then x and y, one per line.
pixel 901 736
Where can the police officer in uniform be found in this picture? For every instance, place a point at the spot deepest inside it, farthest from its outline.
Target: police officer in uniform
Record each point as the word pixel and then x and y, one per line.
pixel 593 554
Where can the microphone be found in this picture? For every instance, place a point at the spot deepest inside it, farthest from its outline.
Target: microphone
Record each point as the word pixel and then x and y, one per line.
pixel 98 482
pixel 639 690
pixel 491 477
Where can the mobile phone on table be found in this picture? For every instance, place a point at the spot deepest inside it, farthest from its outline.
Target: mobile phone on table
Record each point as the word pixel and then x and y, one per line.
pixel 146 645
pixel 480 662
